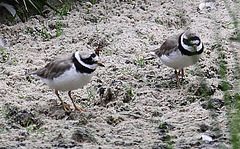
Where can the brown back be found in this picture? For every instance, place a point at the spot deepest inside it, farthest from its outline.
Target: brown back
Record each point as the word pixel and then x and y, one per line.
pixel 54 69
pixel 170 45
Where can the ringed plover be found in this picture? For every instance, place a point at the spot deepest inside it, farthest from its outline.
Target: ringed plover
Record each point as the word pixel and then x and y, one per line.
pixel 180 51
pixel 69 74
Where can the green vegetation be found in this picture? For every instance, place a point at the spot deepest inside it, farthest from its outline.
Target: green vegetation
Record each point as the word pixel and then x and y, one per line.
pixel 235 22
pixel 91 93
pixel 5 112
pixel 27 8
pixel 59 30
pixel 108 51
pixel 34 129
pixel 114 121
pixel 231 100
pixel 130 92
pixel 4 55
pixel 45 31
pixel 140 61
pixel 93 2
pixel 158 21
pixel 65 9
pixel 44 34
pixel 97 29
pixel 150 37
pixel 20 96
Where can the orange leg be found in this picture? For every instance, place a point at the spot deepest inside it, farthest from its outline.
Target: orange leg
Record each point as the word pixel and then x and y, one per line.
pixel 182 72
pixel 65 106
pixel 76 108
pixel 176 75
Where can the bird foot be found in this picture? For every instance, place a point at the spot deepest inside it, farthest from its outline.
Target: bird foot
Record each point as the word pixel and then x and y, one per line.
pixel 79 109
pixel 66 107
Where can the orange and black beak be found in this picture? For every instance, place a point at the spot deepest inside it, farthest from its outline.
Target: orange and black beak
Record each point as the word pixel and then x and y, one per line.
pixel 100 64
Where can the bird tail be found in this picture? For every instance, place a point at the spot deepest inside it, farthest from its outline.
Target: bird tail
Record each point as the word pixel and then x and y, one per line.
pixel 153 52
pixel 33 73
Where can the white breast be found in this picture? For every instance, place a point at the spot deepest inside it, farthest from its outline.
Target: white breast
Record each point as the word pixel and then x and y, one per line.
pixel 178 61
pixel 70 80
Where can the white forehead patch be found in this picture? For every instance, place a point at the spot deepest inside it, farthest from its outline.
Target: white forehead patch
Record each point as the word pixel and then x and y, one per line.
pixel 84 54
pixel 196 42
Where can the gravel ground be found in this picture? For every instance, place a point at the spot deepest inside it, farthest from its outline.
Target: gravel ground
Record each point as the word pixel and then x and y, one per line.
pixel 132 102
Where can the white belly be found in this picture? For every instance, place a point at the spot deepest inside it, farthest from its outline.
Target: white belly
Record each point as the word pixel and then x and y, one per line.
pixel 70 80
pixel 178 61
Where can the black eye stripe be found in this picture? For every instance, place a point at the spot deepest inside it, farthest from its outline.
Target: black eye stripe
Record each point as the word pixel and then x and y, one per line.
pixel 187 41
pixel 89 60
pixel 93 55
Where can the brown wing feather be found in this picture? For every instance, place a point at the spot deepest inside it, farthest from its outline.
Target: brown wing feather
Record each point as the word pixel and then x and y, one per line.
pixel 54 68
pixel 170 45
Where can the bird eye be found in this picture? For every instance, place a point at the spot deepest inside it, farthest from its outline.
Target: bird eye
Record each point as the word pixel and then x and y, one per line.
pixel 93 55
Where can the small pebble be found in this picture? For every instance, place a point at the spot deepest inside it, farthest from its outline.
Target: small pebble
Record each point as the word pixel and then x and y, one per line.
pixel 206 138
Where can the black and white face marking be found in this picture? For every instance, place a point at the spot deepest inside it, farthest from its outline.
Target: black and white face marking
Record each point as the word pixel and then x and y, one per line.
pixel 91 59
pixel 88 60
pixel 191 42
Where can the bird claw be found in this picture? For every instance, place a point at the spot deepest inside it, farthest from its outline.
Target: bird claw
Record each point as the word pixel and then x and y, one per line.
pixel 79 109
pixel 66 107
